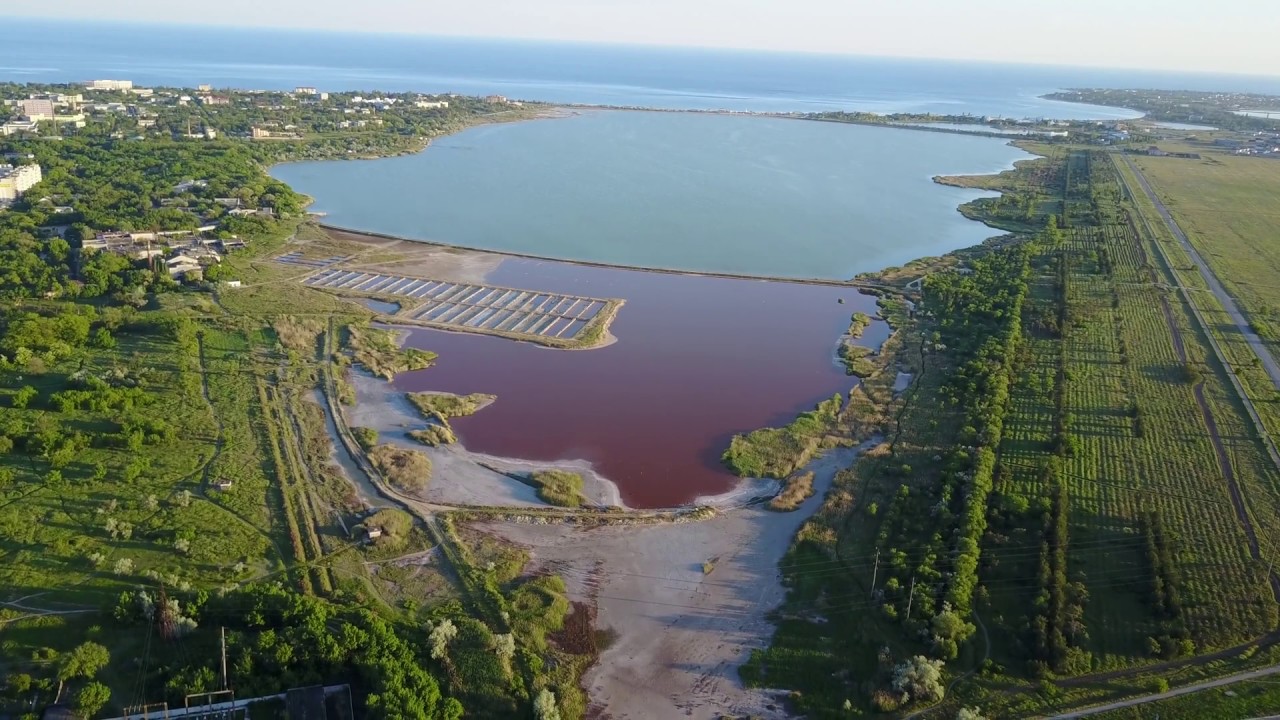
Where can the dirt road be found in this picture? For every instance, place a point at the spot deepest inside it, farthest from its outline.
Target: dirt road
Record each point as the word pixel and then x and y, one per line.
pixel 1206 685
pixel 1228 303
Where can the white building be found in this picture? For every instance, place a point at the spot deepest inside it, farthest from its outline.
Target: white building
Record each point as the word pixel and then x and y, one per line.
pixel 303 90
pixel 16 180
pixel 17 126
pixel 36 109
pixel 109 85
pixel 76 119
pixel 432 104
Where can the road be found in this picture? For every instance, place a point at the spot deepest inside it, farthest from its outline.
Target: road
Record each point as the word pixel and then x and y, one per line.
pixel 1208 684
pixel 1228 303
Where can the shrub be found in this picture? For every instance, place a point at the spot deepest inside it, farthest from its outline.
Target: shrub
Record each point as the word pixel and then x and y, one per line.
pixel 558 487
pixel 798 489
pixel 447 405
pixel 433 435
pixel 920 678
pixel 367 437
pixel 408 470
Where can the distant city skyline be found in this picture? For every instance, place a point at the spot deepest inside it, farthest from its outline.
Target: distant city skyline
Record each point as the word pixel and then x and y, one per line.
pixel 1179 35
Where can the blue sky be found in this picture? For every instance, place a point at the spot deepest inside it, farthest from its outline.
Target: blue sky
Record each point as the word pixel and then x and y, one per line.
pixel 1237 36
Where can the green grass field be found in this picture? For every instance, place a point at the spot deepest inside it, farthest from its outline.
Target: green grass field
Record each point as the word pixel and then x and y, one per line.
pixel 1226 206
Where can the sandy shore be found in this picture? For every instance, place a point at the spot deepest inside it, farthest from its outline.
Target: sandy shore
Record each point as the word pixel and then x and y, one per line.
pixel 680 635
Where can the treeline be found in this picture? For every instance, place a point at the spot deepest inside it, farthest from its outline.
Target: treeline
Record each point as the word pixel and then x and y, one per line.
pixel 985 379
pixel 277 639
pixel 979 327
pixel 1174 638
pixel 1058 627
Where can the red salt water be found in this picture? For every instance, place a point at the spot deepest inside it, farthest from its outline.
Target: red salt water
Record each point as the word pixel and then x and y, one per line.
pixel 697 360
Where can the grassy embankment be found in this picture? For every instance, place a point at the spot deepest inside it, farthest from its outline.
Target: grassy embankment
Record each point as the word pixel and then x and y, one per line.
pixel 1107 501
pixel 854 356
pixel 437 408
pixel 798 488
pixel 779 452
pixel 380 353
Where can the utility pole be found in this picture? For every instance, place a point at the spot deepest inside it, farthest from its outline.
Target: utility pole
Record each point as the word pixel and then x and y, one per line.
pixel 223 633
pixel 875 570
pixel 911 596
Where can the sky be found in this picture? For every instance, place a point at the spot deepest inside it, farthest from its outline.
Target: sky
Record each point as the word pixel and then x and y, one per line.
pixel 1231 36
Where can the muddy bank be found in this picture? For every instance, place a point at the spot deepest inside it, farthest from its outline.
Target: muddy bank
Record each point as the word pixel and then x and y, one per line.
pixel 440 262
pixel 680 633
pixel 459 476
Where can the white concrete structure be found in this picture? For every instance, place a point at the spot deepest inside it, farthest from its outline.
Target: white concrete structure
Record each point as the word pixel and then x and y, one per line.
pixel 16 180
pixel 109 85
pixel 17 126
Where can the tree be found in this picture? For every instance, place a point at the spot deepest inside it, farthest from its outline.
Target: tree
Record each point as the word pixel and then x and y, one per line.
pixel 920 678
pixel 23 397
pixel 949 630
pixel 504 646
pixel 91 698
pixel 85 661
pixel 967 713
pixel 544 706
pixel 441 634
pixel 18 684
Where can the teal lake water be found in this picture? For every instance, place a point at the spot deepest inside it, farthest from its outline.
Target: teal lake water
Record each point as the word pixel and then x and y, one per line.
pixel 719 193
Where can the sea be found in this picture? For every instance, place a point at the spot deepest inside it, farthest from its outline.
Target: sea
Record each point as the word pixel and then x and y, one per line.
pixel 617 75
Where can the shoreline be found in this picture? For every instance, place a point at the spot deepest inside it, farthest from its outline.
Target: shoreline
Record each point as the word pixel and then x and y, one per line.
pixel 565 110
pixel 600 489
pixel 370 235
pixel 383 407
pixel 686 602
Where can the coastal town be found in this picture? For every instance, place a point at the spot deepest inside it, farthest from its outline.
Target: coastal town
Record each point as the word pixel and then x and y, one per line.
pixel 195 223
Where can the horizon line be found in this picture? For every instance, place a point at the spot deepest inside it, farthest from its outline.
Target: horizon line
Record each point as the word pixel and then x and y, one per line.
pixel 626 45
